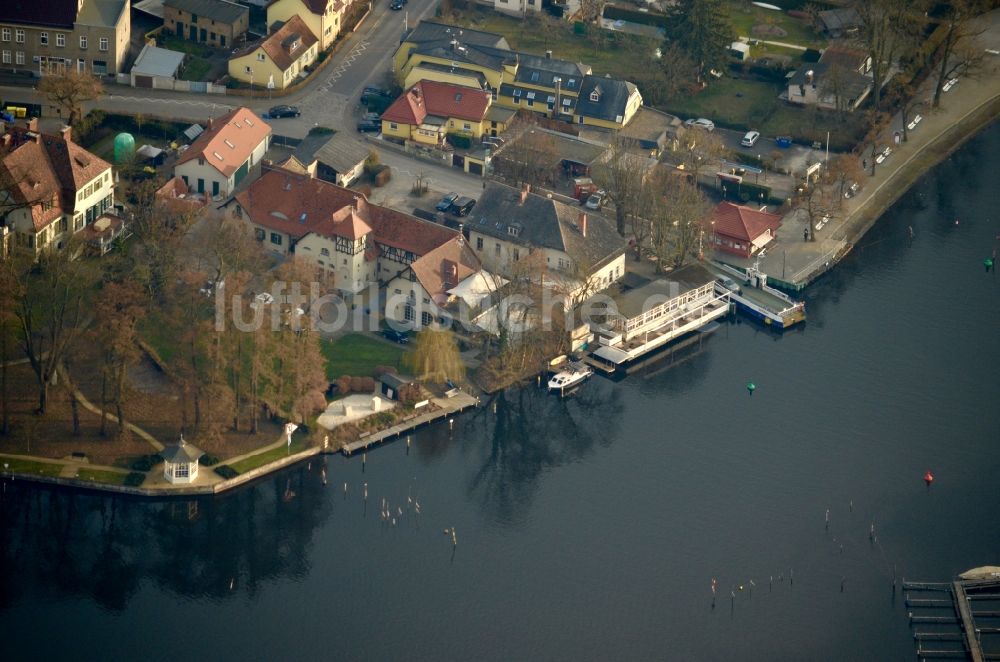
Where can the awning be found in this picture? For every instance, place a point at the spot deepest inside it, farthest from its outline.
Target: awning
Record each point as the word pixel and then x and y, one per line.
pixel 612 354
pixel 762 240
pixel 193 131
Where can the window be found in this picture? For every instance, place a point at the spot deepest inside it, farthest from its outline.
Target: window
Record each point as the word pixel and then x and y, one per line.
pixel 408 313
pixel 275 238
pixel 19 57
pixel 211 35
pixel 19 36
pixel 6 57
pixel 392 125
pixel 534 76
pixel 43 38
pixel 103 44
pixel 324 251
pixel 83 41
pixel 426 300
pixel 426 319
pixel 517 255
pixel 595 96
pixel 467 126
pixel 63 224
pixel 60 39
pixel 260 56
pixel 496 249
pixel 249 70
pixel 181 470
pixel 5 34
pixel 479 243
pixel 398 291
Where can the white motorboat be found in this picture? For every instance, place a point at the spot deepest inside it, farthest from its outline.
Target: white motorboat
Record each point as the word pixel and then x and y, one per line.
pixel 572 374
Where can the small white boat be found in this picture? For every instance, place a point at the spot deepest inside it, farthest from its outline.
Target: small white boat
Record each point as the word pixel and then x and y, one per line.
pixel 571 375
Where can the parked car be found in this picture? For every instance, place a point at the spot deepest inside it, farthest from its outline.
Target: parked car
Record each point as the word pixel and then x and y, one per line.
pixel 700 123
pixel 402 337
pixel 369 127
pixel 371 117
pixel 852 190
pixel 596 200
pixel 371 90
pixel 445 203
pixel 461 206
pixel 750 139
pixel 729 284
pixel 283 111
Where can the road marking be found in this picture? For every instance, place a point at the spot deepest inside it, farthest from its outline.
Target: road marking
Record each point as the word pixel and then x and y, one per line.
pixel 114 97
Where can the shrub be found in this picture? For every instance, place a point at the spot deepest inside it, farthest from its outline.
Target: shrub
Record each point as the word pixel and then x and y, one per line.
pixel 134 479
pixel 460 140
pixel 145 462
pixel 811 55
pixel 383 176
pixel 321 131
pixel 226 471
pixel 362 384
pixel 209 460
pixel 344 384
pixel 409 394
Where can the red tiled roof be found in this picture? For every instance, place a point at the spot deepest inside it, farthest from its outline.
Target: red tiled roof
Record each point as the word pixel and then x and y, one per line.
pixel 441 99
pixel 297 204
pixel 275 48
pixel 445 267
pixel 38 167
pixel 743 223
pixel 228 141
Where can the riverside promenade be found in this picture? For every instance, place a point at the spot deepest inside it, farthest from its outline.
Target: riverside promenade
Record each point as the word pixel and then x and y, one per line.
pixel 969 107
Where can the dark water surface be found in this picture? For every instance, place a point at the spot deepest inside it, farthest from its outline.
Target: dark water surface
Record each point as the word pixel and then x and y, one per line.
pixel 591 528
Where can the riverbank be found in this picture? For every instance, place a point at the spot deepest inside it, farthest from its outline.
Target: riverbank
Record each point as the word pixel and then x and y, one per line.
pixel 965 110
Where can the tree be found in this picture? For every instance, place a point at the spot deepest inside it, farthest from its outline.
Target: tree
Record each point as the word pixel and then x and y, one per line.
pixel 700 28
pixel 118 311
pixel 699 149
pixel 888 30
pixel 679 70
pixel 50 311
pixel 8 327
pixel 69 90
pixel 841 171
pixel 678 220
pixel 435 357
pixel 530 156
pixel 956 52
pixel 590 10
pixel 621 174
pixel 159 230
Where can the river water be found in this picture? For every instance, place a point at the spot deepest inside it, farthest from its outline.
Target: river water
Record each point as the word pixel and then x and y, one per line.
pixel 591 528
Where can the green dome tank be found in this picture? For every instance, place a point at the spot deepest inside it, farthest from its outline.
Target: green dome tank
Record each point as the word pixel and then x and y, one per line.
pixel 124 147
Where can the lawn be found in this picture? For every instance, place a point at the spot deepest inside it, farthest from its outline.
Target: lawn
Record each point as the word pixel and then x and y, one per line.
pixel 260 459
pixel 744 16
pixel 732 102
pixel 358 354
pixel 102 476
pixel 173 43
pixel 30 466
pixel 195 68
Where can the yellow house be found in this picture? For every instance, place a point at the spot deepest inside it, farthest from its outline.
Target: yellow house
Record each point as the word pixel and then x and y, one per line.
pixel 541 84
pixel 279 59
pixel 322 16
pixel 427 112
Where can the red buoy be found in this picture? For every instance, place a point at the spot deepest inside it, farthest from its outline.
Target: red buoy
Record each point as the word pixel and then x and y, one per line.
pixel 928 478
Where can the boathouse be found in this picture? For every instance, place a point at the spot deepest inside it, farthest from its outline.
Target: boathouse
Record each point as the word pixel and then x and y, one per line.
pixel 651 315
pixel 180 462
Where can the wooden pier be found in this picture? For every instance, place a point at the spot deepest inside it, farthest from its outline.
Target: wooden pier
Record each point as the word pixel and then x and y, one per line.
pixel 962 619
pixel 447 406
pixel 968 624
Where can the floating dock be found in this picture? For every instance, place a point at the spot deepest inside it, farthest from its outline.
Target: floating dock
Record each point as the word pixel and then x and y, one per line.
pixel 759 300
pixel 962 603
pixel 457 402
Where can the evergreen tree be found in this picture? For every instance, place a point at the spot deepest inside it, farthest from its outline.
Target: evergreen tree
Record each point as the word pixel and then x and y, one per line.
pixel 701 30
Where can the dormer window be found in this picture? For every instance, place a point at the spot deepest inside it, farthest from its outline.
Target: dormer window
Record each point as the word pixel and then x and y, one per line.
pixel 595 96
pixel 517 94
pixel 534 76
pixel 514 230
pixel 571 83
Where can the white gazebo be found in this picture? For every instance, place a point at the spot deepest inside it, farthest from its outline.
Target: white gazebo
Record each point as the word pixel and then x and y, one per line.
pixel 180 462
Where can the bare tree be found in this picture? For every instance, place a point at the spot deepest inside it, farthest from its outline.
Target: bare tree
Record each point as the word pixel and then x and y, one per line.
pixel 118 310
pixel 957 52
pixel 678 220
pixel 698 150
pixel 841 171
pixel 621 174
pixel 69 90
pixel 530 157
pixel 888 30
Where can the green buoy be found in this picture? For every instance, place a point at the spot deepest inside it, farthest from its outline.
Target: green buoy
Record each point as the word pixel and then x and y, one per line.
pixel 751 387
pixel 988 263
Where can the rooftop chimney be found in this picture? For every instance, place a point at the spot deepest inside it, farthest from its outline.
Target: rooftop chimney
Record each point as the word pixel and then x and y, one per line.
pixel 548 55
pixel 581 222
pixel 525 190
pixel 67 133
pixel 809 76
pixel 354 203
pixel 209 123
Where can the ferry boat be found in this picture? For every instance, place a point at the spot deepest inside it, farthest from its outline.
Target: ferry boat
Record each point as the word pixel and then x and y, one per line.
pixel 753 297
pixel 573 373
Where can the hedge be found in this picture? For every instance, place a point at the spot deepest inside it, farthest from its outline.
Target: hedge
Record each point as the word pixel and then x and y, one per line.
pixel 209 460
pixel 134 479
pixel 460 140
pixel 226 471
pixel 145 462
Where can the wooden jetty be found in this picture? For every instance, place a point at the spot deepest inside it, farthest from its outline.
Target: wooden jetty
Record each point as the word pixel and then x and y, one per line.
pixel 968 624
pixel 457 402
